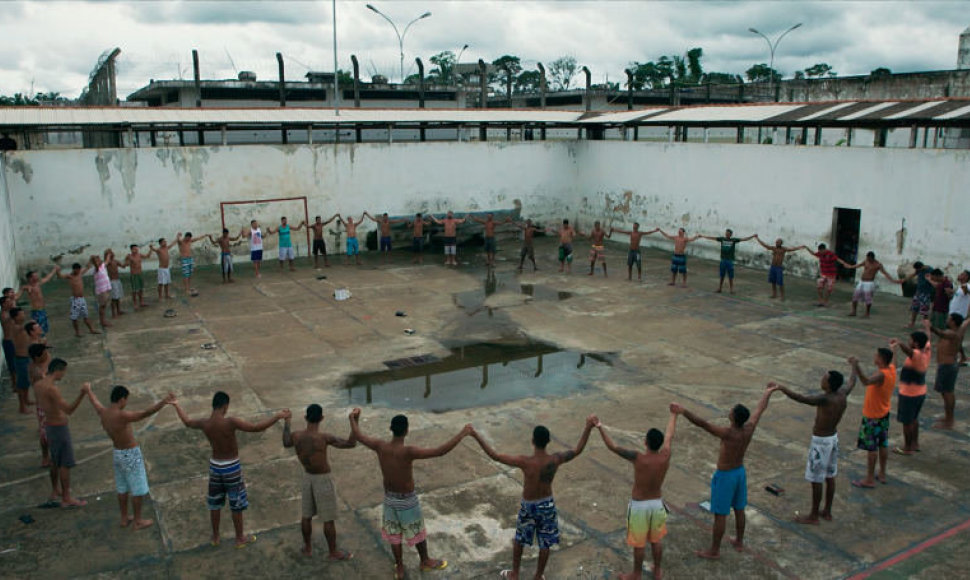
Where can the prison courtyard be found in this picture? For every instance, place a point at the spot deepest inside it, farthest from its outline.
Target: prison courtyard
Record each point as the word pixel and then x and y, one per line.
pixel 503 351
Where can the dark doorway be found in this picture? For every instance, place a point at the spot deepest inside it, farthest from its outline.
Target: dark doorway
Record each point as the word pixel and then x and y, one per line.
pixel 846 246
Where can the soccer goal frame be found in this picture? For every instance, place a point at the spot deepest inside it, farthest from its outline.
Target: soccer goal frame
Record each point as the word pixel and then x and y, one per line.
pixel 306 210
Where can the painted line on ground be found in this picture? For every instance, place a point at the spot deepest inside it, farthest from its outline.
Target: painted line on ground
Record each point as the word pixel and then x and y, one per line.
pixel 909 553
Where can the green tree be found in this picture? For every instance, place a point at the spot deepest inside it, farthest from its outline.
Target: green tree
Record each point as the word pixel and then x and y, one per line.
pixel 527 82
pixel 562 70
pixel 345 78
pixel 762 73
pixel 720 78
pixel 694 68
pixel 443 67
pixel 819 70
pixel 880 72
pixel 507 67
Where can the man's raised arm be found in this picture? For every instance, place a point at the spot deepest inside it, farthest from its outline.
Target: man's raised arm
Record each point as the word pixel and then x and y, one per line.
pixel 500 457
pixel 422 453
pixel 669 434
pixel 190 423
pixel 139 415
pixel 369 442
pixel 263 425
pixel 287 436
pixel 763 245
pixel 348 443
pixel 813 401
pixel 628 454
pixel 762 405
pixel 567 456
pixel 94 401
pixel 875 379
pixel 678 409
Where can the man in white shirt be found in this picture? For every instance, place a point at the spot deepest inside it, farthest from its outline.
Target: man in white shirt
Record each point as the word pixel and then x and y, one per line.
pixel 960 303
pixel 255 244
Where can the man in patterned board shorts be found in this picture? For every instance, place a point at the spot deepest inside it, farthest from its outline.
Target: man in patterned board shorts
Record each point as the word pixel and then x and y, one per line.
pixel 130 477
pixel 225 470
pixel 646 515
pixel 402 521
pixel 537 519
pixel 823 452
pixel 874 430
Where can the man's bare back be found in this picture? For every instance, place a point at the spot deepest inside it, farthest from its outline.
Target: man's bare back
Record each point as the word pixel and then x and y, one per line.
pixel 76 283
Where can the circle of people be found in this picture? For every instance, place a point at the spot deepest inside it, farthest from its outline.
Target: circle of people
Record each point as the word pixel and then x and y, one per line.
pixel 942 307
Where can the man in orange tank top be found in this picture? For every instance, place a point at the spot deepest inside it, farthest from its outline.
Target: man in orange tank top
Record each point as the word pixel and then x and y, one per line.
pixel 874 431
pixel 912 386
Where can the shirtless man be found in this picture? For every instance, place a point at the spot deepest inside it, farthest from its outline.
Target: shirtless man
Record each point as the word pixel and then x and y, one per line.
pixel 319 493
pixel 102 287
pixel 255 236
pixel 490 245
pixel 133 262
pixel 57 411
pixel 38 306
pixel 40 358
pixel 528 243
pixel 21 346
pixel 633 254
pixel 114 275
pixel 286 241
pixel 566 235
pixel 353 246
pixel 948 366
pixel 598 250
pixel 225 471
pixel 417 239
pixel 646 515
pixel 8 303
pixel 186 261
pixel 79 306
pixel 225 243
pixel 319 244
pixel 385 238
pixel 678 263
pixel 450 236
pixel 776 273
pixel 402 521
pixel 538 518
pixel 823 453
pixel 729 246
pixel 827 271
pixel 130 477
pixel 164 274
pixel 867 285
pixel 730 482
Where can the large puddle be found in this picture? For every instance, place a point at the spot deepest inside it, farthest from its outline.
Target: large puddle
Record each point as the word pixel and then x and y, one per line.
pixel 478 374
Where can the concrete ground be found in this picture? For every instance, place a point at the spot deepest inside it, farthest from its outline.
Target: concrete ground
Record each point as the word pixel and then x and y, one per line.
pixel 283 341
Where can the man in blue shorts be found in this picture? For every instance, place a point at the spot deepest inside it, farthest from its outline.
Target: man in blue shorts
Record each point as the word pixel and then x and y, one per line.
pixel 678 263
pixel 729 245
pixel 538 518
pixel 776 273
pixel 729 486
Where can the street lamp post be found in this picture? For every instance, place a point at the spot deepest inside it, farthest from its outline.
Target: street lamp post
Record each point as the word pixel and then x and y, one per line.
pixel 400 35
pixel 772 46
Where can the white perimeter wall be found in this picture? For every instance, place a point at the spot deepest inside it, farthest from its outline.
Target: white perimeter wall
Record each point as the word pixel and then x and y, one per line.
pixel 8 257
pixel 67 198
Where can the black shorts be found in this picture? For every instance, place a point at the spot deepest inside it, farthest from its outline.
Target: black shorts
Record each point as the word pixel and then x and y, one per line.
pixel 319 247
pixel 908 408
pixel 417 245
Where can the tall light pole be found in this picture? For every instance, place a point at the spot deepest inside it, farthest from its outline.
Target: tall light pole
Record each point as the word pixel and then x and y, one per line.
pixel 400 35
pixel 772 46
pixel 336 76
pixel 457 61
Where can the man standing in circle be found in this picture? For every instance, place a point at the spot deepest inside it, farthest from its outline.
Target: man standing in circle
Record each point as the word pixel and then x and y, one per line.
pixel 255 236
pixel 286 241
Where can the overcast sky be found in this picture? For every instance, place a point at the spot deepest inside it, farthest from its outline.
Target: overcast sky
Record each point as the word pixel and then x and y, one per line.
pixel 52 46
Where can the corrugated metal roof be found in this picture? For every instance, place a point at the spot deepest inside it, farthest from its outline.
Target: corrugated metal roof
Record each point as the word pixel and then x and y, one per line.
pixel 858 113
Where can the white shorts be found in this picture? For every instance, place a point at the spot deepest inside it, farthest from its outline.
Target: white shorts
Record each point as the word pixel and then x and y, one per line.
pixel 164 277
pixel 117 293
pixel 450 250
pixel 823 458
pixel 286 253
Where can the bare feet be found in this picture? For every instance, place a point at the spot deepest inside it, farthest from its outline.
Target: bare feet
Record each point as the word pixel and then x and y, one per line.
pixel 633 576
pixel 142 524
pixel 805 520
pixel 74 503
pixel 399 571
pixel 946 426
pixel 340 556
pixel 307 550
pixel 92 331
pixel 827 516
pixel 882 479
pixel 863 484
pixel 738 544
pixel 707 555
pixel 126 521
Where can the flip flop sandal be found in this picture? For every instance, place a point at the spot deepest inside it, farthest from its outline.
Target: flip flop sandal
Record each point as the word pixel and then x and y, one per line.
pixel 899 451
pixel 249 540
pixel 342 557
pixel 441 565
pixel 170 313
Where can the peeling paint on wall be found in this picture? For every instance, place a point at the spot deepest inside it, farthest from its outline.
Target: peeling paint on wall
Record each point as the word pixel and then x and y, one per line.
pixel 22 167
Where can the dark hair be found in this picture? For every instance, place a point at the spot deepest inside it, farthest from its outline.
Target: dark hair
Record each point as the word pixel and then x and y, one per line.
pixel 636 224
pixel 418 214
pixel 956 318
pixel 282 218
pixel 58 364
pixel 886 355
pixel 318 218
pixel 314 413
pixel 399 425
pixel 133 246
pixel 225 230
pixel 729 231
pixel 219 400
pixel 251 222
pixel 187 235
pixel 936 272
pixel 160 240
pixel 821 247
pixel 29 327
pixel 540 437
pixel 29 274
pixel 36 350
pixel 740 414
pixel 7 289
pixel 871 255
pixel 3 299
pixel 75 266
pixel 118 393
pixel 565 222
pixel 918 265
pixel 835 380
pixel 15 311
pixel 655 439
pixel 920 338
